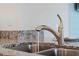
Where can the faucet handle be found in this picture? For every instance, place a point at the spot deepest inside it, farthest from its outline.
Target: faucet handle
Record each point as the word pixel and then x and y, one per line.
pixel 60 24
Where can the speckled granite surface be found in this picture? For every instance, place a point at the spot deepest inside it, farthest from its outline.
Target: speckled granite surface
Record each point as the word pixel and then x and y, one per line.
pixel 20 36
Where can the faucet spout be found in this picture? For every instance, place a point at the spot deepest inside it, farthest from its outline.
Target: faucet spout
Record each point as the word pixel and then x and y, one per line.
pixel 44 27
pixel 58 34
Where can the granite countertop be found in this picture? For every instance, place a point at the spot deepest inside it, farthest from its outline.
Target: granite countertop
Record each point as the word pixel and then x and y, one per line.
pixel 10 52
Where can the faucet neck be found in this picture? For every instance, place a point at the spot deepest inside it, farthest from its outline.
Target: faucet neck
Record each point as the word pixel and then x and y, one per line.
pixel 60 30
pixel 57 35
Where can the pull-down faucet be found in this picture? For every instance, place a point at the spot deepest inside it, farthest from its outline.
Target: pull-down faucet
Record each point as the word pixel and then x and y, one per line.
pixel 58 34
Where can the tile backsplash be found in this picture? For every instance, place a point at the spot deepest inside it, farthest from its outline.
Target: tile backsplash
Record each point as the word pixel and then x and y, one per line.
pixel 20 36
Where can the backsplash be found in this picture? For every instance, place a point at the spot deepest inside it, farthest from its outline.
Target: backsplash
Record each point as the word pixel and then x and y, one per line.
pixel 20 36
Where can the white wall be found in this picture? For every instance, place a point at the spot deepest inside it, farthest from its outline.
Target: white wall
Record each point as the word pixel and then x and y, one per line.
pixel 14 16
pixel 9 17
pixel 28 16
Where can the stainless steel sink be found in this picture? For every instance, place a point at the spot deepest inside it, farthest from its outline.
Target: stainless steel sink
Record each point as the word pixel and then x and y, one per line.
pixel 20 47
pixel 45 49
pixel 28 47
pixel 49 52
pixel 59 52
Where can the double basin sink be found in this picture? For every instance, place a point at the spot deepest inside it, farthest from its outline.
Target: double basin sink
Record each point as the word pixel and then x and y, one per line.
pixel 45 49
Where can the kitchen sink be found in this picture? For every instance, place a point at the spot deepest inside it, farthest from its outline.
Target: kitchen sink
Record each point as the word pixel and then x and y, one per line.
pixel 20 47
pixel 48 52
pixel 28 47
pixel 59 52
pixel 45 49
